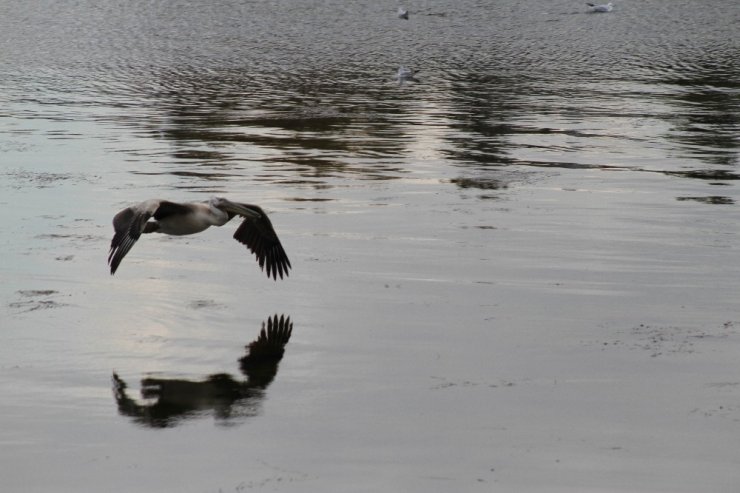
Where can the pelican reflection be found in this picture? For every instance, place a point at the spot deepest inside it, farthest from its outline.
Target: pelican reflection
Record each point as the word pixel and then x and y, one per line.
pixel 168 401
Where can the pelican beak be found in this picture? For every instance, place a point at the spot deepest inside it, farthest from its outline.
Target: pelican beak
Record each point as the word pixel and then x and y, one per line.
pixel 240 209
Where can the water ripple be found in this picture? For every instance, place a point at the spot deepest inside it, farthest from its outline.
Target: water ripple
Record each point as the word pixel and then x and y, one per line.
pixel 233 81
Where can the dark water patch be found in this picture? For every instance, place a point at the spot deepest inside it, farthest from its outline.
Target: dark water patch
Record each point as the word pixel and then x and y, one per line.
pixel 305 199
pixel 259 137
pixel 201 188
pixel 725 411
pixel 712 199
pixel 194 174
pixel 445 383
pixel 40 300
pixel 207 176
pixel 37 292
pixel 659 340
pixel 723 385
pixel 303 120
pixel 310 166
pixel 199 304
pixel 64 134
pixel 705 174
pixel 700 174
pixel 575 165
pixel 19 179
pixel 480 183
pixel 311 184
pixel 70 237
pixel 31 306
pixel 200 155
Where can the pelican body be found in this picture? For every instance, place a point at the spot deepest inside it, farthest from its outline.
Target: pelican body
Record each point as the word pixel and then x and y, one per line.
pixel 178 219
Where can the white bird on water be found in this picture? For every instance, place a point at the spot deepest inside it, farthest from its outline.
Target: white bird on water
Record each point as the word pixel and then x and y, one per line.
pixel 605 7
pixel 172 218
pixel 403 13
pixel 406 75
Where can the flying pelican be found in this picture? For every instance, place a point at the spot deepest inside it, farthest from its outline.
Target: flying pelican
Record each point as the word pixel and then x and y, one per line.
pixel 606 7
pixel 172 218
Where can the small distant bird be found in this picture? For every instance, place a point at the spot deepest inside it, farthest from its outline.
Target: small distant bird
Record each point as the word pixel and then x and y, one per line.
pixel 605 7
pixel 403 13
pixel 172 218
pixel 406 75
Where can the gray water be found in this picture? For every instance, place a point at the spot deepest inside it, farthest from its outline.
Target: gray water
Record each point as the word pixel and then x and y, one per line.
pixel 519 273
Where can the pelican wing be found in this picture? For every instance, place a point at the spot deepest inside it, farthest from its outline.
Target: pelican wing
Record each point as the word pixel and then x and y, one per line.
pixel 257 233
pixel 129 224
pixel 265 352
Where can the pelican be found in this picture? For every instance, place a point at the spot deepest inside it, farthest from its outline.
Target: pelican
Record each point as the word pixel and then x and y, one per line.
pixel 406 75
pixel 403 13
pixel 172 218
pixel 606 7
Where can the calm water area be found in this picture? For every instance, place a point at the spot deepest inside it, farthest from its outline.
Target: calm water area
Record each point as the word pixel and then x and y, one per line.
pixel 520 272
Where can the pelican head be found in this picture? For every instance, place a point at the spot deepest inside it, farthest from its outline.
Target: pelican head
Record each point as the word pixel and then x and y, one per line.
pixel 233 208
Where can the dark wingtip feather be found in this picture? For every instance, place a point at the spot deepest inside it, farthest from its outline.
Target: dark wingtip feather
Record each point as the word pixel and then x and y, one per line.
pixel 120 246
pixel 260 238
pixel 278 263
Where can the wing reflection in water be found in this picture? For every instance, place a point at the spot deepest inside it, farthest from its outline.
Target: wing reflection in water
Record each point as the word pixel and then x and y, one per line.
pixel 167 402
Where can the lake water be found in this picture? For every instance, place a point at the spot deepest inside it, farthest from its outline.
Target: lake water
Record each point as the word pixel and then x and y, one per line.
pixel 520 273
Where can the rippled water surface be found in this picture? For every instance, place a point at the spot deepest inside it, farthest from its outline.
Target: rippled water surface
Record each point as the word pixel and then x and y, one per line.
pixel 519 273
